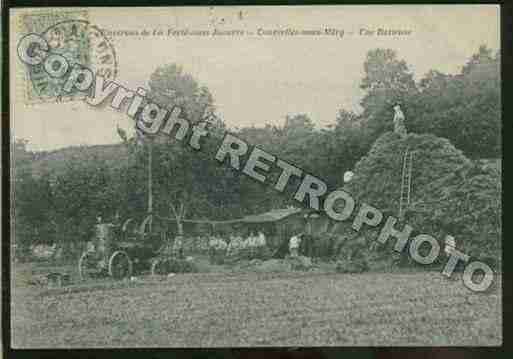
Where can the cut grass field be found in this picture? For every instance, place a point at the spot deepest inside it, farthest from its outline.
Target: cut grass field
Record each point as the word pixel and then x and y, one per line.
pixel 257 309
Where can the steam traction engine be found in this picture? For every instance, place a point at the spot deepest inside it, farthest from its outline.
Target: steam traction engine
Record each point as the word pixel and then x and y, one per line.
pixel 118 251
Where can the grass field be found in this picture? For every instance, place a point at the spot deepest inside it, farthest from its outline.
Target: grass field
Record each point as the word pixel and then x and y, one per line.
pixel 258 309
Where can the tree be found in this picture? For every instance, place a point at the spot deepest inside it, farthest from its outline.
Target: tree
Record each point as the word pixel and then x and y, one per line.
pixel 387 81
pixel 344 145
pixel 465 108
pixel 81 194
pixel 170 86
pixel 483 56
pixel 296 140
pixel 185 181
pixel 31 198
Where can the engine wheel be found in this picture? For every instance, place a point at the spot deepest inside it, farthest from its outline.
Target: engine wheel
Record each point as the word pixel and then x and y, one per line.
pixel 120 265
pixel 87 267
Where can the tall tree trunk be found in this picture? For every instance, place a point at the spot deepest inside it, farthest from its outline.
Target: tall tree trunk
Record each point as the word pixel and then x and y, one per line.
pixel 179 215
pixel 179 226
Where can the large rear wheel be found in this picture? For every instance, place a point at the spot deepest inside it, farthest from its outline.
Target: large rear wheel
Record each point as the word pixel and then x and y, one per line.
pixel 120 265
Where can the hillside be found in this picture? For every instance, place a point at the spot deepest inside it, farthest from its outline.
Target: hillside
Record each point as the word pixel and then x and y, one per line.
pixel 55 162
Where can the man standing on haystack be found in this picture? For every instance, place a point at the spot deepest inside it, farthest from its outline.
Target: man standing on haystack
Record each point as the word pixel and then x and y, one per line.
pixel 399 126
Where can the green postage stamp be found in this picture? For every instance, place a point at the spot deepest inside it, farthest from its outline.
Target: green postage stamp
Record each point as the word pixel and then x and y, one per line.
pixel 70 34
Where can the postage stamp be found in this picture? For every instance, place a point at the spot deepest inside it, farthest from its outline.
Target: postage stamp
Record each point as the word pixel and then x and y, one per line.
pixel 69 34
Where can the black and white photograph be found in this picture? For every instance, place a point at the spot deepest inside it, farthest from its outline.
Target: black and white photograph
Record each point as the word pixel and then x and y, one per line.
pixel 255 176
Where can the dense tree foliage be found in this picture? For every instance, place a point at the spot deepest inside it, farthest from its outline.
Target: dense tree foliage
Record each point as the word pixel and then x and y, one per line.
pixel 32 197
pixel 464 108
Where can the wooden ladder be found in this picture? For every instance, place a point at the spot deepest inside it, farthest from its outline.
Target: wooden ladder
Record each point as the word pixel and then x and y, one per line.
pixel 404 200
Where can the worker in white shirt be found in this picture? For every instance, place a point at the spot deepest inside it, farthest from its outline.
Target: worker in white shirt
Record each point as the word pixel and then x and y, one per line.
pixel 294 245
pixel 261 244
pixel 250 243
pixel 399 126
pixel 261 239
pixel 450 245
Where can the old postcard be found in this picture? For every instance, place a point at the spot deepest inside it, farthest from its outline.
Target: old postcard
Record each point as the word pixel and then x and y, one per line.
pixel 255 176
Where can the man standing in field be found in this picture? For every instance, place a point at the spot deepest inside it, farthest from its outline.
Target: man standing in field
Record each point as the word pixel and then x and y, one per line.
pixel 449 248
pixel 294 245
pixel 178 247
pixel 450 245
pixel 261 244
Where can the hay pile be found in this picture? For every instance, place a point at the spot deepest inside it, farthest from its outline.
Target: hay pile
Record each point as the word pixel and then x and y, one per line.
pixel 449 192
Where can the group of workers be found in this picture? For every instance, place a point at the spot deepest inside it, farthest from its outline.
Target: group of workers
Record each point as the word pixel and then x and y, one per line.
pixel 236 242
pixel 256 241
pixel 253 240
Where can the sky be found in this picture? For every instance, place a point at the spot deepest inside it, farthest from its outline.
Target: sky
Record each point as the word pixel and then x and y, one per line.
pixel 256 80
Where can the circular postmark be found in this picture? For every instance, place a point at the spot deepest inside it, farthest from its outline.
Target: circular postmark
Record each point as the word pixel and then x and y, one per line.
pixel 79 42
